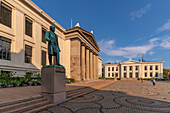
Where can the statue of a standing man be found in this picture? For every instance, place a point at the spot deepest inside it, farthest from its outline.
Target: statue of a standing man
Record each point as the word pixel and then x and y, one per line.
pixel 53 45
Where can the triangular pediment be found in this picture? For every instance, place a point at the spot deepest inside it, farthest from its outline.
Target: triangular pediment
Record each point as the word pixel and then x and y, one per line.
pixel 90 38
pixel 130 61
pixel 87 35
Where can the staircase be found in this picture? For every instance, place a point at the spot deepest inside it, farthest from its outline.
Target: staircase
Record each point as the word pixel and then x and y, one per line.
pixel 38 103
pixel 78 92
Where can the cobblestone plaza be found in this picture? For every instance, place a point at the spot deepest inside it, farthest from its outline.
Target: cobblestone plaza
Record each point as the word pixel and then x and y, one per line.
pixel 120 97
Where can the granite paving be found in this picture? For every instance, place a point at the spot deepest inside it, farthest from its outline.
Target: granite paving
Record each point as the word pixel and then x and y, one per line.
pixel 120 97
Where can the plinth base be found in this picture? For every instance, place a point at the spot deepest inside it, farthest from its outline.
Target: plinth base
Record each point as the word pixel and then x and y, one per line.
pixel 53 84
pixel 55 98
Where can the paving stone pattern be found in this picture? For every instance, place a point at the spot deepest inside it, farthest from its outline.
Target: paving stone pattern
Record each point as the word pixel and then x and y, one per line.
pixel 120 97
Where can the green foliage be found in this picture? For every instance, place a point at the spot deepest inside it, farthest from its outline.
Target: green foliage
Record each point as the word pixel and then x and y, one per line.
pixel 106 78
pixel 165 73
pixel 69 80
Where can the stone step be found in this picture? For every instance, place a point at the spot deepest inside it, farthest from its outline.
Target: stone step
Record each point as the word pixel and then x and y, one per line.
pixel 68 92
pixel 19 100
pixel 79 92
pixel 28 107
pixel 21 104
pixel 39 108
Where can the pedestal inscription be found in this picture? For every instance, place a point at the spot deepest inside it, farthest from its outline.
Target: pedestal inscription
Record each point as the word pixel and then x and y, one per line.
pixel 53 84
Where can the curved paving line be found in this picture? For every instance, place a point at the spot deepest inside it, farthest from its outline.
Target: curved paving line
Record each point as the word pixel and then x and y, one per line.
pixel 87 108
pixel 101 107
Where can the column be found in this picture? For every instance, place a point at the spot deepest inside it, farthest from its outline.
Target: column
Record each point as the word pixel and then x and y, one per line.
pixel 94 66
pixel 91 64
pixel 96 77
pixel 75 59
pixel 83 61
pixel 87 64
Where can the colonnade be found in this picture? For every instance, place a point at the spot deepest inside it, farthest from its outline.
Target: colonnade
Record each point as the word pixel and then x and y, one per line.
pixel 89 63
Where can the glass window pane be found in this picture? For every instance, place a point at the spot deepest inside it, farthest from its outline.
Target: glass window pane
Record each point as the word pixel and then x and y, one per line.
pixel 6 13
pixel 28 27
pixel 8 51
pixel 0 49
pixel 4 51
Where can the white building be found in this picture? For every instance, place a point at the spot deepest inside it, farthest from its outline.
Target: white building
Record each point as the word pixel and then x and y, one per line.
pixel 134 69
pixel 23 47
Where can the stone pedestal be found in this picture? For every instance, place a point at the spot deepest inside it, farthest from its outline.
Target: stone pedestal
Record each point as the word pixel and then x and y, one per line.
pixel 53 84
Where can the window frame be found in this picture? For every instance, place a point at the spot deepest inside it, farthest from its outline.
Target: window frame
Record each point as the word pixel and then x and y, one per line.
pixel 146 75
pixel 27 61
pixel 7 51
pixel 146 67
pixel 7 7
pixel 151 67
pixel 31 21
pixel 43 38
pixel 112 68
pixel 108 68
pixel 124 68
pixel 42 60
pixel 156 67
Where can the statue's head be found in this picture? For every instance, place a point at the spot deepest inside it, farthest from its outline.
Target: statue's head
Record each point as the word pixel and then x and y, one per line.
pixel 52 28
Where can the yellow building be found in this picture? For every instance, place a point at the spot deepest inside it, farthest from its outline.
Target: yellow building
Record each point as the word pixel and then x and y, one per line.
pixel 23 47
pixel 134 69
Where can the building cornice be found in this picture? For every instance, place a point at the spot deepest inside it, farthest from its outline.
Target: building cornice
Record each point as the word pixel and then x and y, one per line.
pixel 35 7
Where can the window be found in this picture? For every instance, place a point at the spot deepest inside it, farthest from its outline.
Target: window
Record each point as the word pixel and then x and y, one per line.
pixel 116 68
pixel 28 27
pixel 5 48
pixel 156 74
pixel 43 35
pixel 116 74
pixel 156 67
pixel 112 74
pixel 130 68
pixel 43 57
pixel 108 74
pixel 130 74
pixel 124 68
pixel 145 67
pixel 112 68
pixel 28 54
pixel 5 14
pixel 137 67
pixel 137 75
pixel 150 67
pixel 124 75
pixel 108 68
pixel 145 74
pixel 150 74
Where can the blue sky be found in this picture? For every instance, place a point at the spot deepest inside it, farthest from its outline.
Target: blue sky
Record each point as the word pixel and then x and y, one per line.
pixel 123 28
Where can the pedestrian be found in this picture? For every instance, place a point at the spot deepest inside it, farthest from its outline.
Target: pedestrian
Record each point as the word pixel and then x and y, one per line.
pixel 142 80
pixel 153 82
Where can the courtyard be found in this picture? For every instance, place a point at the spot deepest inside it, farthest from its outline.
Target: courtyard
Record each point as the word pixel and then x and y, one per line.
pixel 120 97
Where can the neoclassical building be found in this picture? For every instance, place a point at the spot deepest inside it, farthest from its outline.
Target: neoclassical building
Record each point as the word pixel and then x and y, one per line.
pixel 134 69
pixel 23 47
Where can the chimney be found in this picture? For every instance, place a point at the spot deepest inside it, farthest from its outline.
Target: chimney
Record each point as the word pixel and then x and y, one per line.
pixel 91 31
pixel 77 25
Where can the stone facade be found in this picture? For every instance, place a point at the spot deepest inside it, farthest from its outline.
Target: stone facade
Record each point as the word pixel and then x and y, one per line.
pixel 134 69
pixel 84 54
pixel 78 46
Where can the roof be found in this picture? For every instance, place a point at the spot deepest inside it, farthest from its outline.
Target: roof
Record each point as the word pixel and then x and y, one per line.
pixel 87 35
pixel 41 12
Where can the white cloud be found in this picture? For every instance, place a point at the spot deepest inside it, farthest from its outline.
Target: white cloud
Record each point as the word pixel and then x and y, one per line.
pixel 165 43
pixel 165 27
pixel 153 40
pixel 151 53
pixel 139 13
pixel 127 52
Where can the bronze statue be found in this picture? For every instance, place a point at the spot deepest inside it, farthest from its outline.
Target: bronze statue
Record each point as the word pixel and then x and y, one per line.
pixel 53 45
